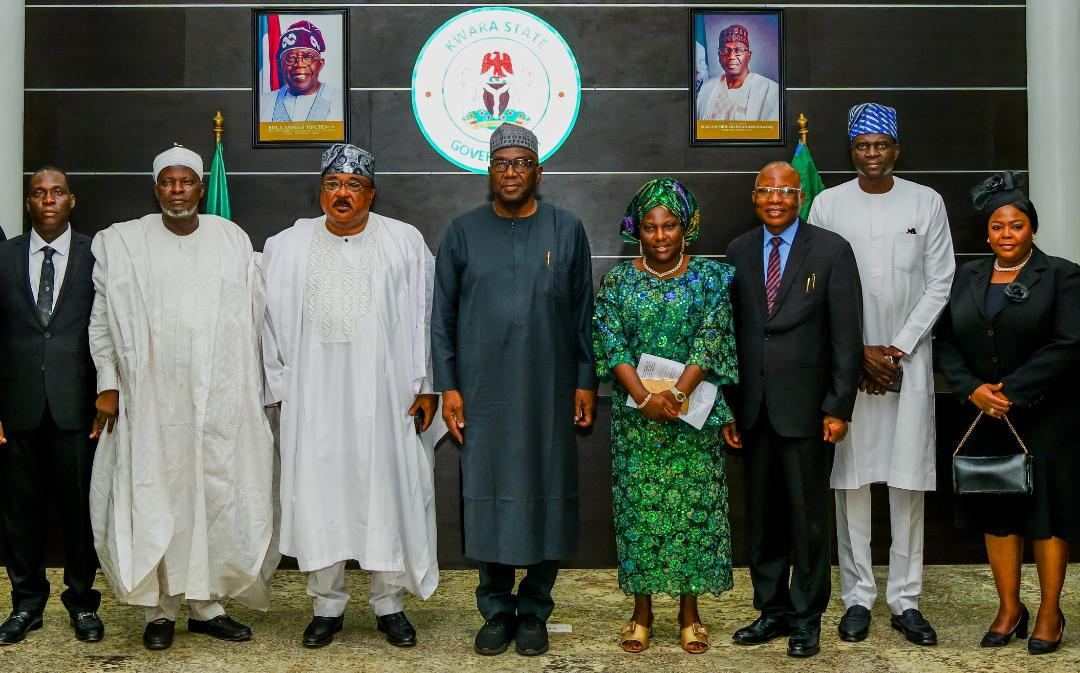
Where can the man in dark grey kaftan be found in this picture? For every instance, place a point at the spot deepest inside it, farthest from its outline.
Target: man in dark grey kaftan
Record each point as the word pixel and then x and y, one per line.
pixel 511 334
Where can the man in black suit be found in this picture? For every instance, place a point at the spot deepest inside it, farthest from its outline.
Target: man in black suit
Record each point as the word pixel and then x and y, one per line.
pixel 798 322
pixel 47 409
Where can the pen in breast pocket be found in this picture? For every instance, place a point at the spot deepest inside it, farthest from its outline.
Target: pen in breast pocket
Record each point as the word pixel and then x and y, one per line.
pixel 548 261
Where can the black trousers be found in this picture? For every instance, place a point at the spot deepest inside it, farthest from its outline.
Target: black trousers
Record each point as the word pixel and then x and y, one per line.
pixel 787 505
pixel 44 466
pixel 495 593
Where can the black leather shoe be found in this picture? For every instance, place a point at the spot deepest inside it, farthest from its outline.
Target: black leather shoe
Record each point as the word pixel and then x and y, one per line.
pixel 221 627
pixel 158 634
pixel 399 632
pixel 805 641
pixel 855 624
pixel 14 628
pixel 531 638
pixel 1036 646
pixel 496 633
pixel 914 627
pixel 993 639
pixel 764 629
pixel 88 628
pixel 321 630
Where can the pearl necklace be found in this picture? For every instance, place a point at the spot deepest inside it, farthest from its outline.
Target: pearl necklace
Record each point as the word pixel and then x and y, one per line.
pixel 662 274
pixel 1009 269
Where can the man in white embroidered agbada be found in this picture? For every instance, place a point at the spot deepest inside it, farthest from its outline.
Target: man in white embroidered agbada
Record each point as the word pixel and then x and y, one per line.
pixel 346 353
pixel 181 492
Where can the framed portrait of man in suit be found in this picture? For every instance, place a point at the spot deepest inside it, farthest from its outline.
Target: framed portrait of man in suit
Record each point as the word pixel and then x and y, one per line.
pixel 301 85
pixel 736 77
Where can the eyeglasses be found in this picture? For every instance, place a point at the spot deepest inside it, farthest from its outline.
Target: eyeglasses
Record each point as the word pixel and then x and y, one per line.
pixel 785 192
pixel 55 192
pixel 738 51
pixel 353 186
pixel 880 146
pixel 307 58
pixel 521 165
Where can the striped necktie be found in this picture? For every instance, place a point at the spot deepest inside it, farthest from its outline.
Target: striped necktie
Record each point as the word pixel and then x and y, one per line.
pixel 772 275
pixel 45 286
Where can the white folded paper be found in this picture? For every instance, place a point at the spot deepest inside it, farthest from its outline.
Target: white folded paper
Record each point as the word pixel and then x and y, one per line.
pixel 701 400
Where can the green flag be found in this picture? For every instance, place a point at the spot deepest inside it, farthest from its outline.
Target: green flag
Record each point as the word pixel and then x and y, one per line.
pixel 217 196
pixel 804 164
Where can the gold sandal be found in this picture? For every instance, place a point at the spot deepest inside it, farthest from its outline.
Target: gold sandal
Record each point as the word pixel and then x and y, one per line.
pixel 635 633
pixel 695 634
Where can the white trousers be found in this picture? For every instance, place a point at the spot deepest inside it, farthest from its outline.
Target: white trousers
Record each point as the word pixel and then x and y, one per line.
pixel 327 587
pixel 169 606
pixel 906 520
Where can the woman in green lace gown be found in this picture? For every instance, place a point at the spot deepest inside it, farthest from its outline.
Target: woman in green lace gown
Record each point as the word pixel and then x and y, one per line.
pixel 669 486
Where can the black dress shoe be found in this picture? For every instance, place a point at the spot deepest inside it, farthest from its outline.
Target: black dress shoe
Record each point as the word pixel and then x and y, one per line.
pixel 158 634
pixel 762 630
pixel 88 627
pixel 914 627
pixel 805 641
pixel 1036 646
pixel 221 627
pixel 496 633
pixel 321 630
pixel 399 632
pixel 14 628
pixel 531 638
pixel 855 624
pixel 993 639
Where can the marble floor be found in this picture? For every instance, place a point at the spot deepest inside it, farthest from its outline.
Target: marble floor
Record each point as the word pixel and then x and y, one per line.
pixel 958 600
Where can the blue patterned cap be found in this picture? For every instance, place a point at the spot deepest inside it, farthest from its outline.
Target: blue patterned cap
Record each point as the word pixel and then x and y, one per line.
pixel 872 118
pixel 344 158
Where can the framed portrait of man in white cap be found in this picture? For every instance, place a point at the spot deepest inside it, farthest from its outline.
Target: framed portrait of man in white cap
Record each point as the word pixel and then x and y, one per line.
pixel 301 85
pixel 736 77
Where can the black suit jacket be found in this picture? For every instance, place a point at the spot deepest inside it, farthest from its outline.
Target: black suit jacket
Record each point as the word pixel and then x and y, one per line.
pixel 803 360
pixel 1032 346
pixel 46 365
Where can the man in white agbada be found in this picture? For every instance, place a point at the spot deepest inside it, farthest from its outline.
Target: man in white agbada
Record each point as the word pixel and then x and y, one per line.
pixel 346 352
pixel 900 233
pixel 738 94
pixel 181 492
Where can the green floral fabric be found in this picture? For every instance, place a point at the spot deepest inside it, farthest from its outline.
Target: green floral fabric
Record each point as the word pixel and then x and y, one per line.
pixel 669 486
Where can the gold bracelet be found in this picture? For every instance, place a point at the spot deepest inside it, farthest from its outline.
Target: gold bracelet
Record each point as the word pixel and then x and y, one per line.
pixel 645 401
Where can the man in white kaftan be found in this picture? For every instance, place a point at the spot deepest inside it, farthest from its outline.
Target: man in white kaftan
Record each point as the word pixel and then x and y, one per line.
pixel 346 353
pixel 738 94
pixel 181 492
pixel 899 231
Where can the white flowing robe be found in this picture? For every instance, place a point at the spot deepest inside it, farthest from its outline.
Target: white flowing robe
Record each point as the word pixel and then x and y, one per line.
pixel 181 492
pixel 904 250
pixel 758 99
pixel 346 356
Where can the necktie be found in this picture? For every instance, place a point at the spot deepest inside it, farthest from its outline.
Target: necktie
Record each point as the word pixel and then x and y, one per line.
pixel 45 286
pixel 772 275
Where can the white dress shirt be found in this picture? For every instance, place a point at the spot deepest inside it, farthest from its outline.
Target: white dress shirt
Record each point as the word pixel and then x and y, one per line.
pixel 62 246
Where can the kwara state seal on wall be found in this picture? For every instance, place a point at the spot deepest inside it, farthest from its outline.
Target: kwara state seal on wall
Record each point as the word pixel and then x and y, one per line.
pixel 488 66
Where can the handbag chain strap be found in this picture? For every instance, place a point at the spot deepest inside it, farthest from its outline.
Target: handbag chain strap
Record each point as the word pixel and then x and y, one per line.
pixel 972 429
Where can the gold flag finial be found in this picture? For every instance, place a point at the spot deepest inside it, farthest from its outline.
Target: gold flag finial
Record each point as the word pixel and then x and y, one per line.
pixel 803 124
pixel 219 126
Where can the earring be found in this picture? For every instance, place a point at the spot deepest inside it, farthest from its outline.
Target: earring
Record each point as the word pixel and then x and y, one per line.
pixel 641 250
pixel 1034 236
pixel 988 240
pixel 683 250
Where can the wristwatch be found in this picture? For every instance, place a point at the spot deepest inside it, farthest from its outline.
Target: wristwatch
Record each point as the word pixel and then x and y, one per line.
pixel 680 396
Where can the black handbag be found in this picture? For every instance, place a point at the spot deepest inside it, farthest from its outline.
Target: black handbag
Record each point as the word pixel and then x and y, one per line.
pixel 1000 475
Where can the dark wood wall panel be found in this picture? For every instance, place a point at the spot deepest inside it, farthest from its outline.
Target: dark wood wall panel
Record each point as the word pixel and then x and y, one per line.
pixel 109 87
pixel 616 46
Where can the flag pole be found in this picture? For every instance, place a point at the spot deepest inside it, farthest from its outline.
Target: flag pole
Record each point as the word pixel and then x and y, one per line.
pixel 219 127
pixel 802 123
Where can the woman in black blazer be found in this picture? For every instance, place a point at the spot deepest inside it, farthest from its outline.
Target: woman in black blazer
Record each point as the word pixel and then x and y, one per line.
pixel 1009 342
